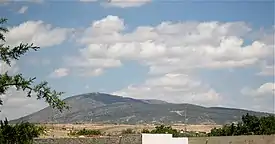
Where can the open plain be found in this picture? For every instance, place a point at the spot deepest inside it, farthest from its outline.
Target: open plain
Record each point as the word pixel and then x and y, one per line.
pixel 62 130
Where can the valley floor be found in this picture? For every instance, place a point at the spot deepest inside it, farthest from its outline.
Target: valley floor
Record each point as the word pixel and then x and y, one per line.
pixel 62 130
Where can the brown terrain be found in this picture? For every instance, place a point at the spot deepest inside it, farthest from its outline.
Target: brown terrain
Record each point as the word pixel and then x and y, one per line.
pixel 62 130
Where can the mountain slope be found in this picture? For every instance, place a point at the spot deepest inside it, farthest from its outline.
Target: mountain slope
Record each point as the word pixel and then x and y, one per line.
pixel 105 108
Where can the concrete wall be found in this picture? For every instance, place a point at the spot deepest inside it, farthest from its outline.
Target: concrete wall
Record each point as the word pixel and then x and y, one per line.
pixel 162 139
pixel 126 139
pixel 136 139
pixel 180 141
pixel 233 140
pixel 156 138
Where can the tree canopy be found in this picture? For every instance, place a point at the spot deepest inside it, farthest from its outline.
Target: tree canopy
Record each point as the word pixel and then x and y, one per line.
pixel 9 54
pixel 250 125
pixel 22 133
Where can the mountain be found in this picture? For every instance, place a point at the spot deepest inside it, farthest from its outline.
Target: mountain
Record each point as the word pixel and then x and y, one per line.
pixel 105 108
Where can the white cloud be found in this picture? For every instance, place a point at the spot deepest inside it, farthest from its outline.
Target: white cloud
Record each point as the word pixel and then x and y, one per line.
pixel 126 3
pixel 173 47
pixel 176 88
pixel 37 32
pixel 267 70
pixel 261 98
pixel 93 72
pixel 16 104
pixel 60 72
pixel 87 86
pixel 86 66
pixel 167 48
pixel 120 3
pixel 265 35
pixel 264 90
pixel 23 9
pixel 6 68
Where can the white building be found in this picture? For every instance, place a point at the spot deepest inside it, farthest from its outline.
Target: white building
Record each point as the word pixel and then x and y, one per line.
pixel 162 139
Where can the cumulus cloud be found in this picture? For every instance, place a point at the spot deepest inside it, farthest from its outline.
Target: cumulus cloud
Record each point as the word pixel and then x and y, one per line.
pixel 23 9
pixel 126 3
pixel 17 104
pixel 264 90
pixel 41 34
pixel 120 3
pixel 12 69
pixel 267 70
pixel 176 88
pixel 93 72
pixel 88 66
pixel 173 47
pixel 60 72
pixel 37 32
pixel 170 48
pixel 261 98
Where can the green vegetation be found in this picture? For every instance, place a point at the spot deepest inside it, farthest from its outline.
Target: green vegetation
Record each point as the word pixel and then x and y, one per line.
pixel 145 131
pixel 169 130
pixel 22 133
pixel 250 125
pixel 42 90
pixel 85 132
pixel 128 131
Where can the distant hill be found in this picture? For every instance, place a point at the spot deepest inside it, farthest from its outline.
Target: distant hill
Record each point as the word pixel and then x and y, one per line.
pixel 105 108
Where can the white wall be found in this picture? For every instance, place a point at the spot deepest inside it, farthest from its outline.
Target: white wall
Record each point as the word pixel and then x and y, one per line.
pixel 183 140
pixel 162 139
pixel 156 138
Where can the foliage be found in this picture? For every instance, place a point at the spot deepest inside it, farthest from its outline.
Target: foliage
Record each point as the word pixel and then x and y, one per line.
pixel 165 129
pixel 162 129
pixel 128 131
pixel 145 131
pixel 85 132
pixel 42 90
pixel 250 125
pixel 22 133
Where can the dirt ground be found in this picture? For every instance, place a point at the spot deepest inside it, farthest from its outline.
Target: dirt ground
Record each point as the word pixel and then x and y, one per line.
pixel 62 130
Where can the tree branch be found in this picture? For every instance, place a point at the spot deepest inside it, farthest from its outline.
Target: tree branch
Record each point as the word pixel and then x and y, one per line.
pixel 42 90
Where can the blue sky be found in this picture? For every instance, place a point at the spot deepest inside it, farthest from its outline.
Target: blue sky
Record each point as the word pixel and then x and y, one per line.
pixel 131 50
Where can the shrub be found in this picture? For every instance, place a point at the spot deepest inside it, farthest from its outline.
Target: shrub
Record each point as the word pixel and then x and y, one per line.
pixel 128 131
pixel 145 131
pixel 249 125
pixel 21 133
pixel 86 132
pixel 165 130
pixel 162 129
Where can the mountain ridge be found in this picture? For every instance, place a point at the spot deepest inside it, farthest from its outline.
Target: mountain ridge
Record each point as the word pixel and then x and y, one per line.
pixel 106 108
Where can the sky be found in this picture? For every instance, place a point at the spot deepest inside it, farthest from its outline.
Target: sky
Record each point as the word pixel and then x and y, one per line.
pixel 209 53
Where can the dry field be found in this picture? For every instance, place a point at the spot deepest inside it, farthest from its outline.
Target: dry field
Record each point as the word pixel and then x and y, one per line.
pixel 61 130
